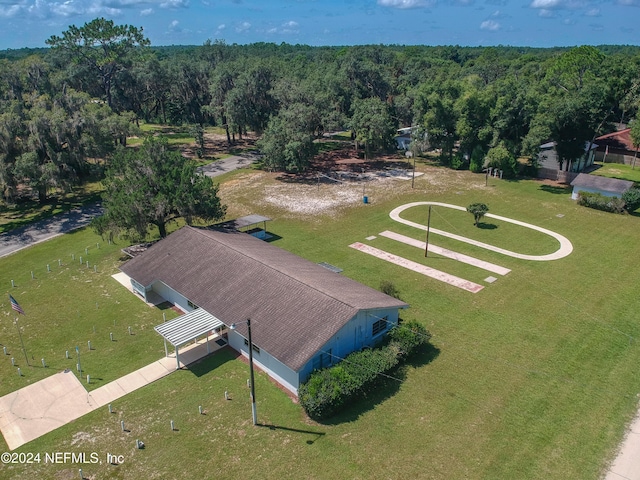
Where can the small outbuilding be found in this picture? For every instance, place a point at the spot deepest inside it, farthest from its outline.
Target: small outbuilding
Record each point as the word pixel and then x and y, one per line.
pixel 303 316
pixel 610 187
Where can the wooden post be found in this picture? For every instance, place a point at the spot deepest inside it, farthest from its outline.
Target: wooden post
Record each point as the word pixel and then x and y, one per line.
pixel 426 246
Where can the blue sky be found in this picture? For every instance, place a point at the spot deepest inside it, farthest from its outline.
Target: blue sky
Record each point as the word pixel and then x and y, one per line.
pixel 538 23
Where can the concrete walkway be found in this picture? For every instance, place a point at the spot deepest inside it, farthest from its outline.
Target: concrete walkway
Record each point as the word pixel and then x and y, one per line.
pixel 627 464
pixel 33 411
pixel 565 245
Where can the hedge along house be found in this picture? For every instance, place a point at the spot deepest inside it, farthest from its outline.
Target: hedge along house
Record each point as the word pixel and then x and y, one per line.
pixel 609 187
pixel 303 316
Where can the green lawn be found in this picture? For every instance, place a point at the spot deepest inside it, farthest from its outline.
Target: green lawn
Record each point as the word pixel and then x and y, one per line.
pixel 618 170
pixel 535 377
pixel 69 306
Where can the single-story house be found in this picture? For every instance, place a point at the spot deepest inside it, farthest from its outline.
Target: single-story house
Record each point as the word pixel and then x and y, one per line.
pixel 548 166
pixel 617 147
pixel 303 316
pixel 610 187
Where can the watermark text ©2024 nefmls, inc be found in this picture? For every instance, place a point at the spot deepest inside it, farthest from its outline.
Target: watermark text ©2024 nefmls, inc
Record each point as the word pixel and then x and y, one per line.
pixel 78 458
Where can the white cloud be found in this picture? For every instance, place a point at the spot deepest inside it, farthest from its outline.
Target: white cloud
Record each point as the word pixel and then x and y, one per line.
pixel 70 8
pixel 561 4
pixel 174 4
pixel 546 13
pixel 243 27
pixel 594 12
pixel 546 4
pixel 11 11
pixel 222 26
pixel 490 25
pixel 404 3
pixel 286 28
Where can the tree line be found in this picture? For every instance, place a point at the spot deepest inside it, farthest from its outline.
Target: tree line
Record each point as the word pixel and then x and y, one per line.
pixel 81 98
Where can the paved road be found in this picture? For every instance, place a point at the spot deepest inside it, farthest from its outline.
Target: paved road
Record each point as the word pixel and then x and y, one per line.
pixel 227 165
pixel 42 230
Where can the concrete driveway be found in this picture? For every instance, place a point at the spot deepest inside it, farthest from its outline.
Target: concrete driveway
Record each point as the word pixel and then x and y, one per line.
pixel 227 165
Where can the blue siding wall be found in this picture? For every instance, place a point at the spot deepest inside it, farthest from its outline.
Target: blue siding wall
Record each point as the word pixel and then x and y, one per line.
pixel 355 335
pixel 277 370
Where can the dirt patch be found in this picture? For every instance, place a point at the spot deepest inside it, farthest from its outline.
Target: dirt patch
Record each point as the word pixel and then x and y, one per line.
pixel 215 145
pixel 336 180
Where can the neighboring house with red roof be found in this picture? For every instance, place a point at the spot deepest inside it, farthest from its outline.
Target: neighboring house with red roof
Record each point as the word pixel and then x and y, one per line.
pixel 616 147
pixel 303 316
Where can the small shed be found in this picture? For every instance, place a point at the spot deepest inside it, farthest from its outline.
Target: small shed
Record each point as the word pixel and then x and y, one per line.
pixel 610 187
pixel 254 225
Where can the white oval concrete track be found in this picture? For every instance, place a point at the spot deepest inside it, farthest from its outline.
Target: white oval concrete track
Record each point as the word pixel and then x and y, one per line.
pixel 565 245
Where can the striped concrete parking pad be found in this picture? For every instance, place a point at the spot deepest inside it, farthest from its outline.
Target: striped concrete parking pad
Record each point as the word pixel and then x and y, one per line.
pixel 417 267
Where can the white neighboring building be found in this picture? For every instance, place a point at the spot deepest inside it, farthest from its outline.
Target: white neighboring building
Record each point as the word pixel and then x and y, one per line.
pixel 609 187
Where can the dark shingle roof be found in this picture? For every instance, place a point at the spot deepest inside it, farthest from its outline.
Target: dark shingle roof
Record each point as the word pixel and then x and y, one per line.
pixel 295 305
pixel 601 183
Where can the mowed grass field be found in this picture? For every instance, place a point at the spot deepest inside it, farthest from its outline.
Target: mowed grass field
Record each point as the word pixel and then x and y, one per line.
pixel 534 377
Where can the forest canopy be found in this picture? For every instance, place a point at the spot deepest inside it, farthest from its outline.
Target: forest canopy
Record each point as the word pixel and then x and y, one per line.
pixel 79 100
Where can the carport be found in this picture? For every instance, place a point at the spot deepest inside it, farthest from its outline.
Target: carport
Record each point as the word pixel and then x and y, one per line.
pixel 187 328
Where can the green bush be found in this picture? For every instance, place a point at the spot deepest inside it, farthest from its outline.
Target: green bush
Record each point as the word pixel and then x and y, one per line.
pixel 409 337
pixel 389 288
pixel 601 202
pixel 500 157
pixel 631 199
pixel 477 159
pixel 330 389
pixel 458 162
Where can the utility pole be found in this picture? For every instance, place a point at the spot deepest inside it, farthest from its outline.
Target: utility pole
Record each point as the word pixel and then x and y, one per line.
pixel 426 246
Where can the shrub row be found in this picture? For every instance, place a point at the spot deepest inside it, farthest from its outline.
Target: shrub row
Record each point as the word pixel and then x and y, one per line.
pixel 330 389
pixel 632 199
pixel 601 202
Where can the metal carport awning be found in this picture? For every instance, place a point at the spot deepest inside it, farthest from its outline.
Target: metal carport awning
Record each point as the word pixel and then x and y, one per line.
pixel 186 328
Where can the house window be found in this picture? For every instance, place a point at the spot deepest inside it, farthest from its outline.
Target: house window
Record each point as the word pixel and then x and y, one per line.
pixel 379 326
pixel 192 305
pixel 255 349
pixel 325 359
